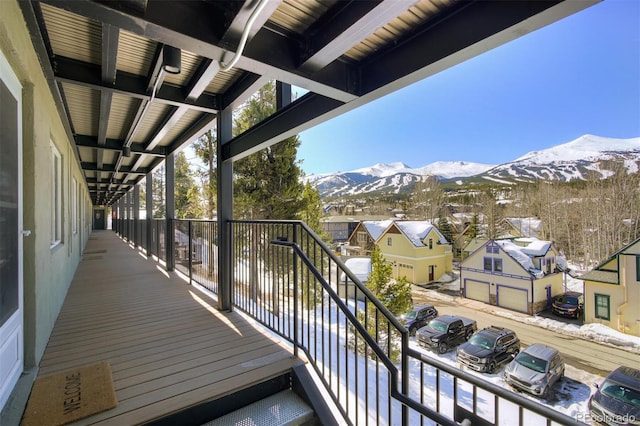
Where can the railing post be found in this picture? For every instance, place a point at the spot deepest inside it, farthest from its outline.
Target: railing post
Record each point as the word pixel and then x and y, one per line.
pixel 190 254
pixel 405 376
pixel 295 294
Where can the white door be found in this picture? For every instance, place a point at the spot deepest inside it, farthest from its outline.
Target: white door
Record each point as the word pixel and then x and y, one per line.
pixel 11 314
pixel 476 290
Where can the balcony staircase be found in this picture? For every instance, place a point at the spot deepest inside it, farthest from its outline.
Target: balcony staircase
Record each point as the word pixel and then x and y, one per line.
pixel 292 399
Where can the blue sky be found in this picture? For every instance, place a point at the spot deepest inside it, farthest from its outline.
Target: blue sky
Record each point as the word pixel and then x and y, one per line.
pixel 580 75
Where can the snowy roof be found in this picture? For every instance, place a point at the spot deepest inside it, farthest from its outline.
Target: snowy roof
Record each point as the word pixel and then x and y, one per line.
pixel 534 247
pixel 417 230
pixel 517 253
pixel 523 253
pixel 375 228
pixel 360 267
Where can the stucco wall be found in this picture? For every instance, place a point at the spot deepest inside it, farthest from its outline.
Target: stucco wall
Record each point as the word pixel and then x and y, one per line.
pixel 403 251
pixel 47 272
pixel 624 298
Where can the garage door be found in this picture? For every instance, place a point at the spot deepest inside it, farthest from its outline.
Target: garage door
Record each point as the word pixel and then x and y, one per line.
pixel 476 290
pixel 513 298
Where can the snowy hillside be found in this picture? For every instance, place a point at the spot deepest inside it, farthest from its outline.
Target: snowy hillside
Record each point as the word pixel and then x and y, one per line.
pixel 587 157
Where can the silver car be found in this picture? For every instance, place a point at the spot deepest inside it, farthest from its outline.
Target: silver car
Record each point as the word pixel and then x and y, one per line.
pixel 535 369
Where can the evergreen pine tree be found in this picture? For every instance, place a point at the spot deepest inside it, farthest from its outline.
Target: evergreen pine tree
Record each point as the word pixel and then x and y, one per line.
pixel 187 196
pixel 267 183
pixel 445 228
pixel 205 148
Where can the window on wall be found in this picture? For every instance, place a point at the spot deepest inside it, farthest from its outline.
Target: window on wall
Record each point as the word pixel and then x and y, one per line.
pixel 74 206
pixel 488 264
pixel 430 243
pixel 492 264
pixel 497 265
pixel 362 237
pixel 638 268
pixel 389 241
pixel 56 195
pixel 602 307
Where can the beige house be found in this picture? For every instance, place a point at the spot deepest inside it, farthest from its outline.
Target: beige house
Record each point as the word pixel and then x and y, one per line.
pixel 520 274
pixel 612 291
pixel 417 250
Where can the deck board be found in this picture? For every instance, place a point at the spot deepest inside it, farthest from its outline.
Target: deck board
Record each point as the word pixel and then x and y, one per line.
pixel 168 346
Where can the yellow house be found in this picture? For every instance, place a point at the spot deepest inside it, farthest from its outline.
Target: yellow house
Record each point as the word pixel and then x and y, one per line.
pixel 520 274
pixel 417 250
pixel 612 291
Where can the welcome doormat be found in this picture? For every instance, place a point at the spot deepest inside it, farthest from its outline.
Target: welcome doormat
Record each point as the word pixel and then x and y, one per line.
pixel 61 398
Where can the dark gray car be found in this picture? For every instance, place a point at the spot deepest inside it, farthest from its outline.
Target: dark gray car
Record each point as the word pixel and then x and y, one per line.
pixel 535 369
pixel 617 400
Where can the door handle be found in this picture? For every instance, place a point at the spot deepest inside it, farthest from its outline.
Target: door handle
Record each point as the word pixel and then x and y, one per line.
pixel 26 232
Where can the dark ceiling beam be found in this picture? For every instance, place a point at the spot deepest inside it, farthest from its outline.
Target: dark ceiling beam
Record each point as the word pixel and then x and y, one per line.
pixel 136 164
pixel 35 23
pixel 242 89
pixel 110 37
pixel 199 127
pixel 209 68
pixel 88 75
pixel 93 181
pixel 345 25
pixel 103 123
pixel 193 34
pixel 116 145
pixel 161 130
pixel 110 168
pixel 231 37
pixel 203 75
pixel 469 30
pixel 284 123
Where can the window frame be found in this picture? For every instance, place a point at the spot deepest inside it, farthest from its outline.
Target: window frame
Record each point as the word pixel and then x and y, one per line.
pixel 389 241
pixel 74 205
pixel 497 261
pixel 55 189
pixel 601 297
pixel 488 264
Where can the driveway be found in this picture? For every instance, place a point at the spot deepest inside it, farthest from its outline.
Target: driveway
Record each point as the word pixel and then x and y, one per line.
pixel 590 356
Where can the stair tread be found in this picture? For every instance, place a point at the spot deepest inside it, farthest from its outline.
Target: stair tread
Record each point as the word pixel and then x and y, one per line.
pixel 283 408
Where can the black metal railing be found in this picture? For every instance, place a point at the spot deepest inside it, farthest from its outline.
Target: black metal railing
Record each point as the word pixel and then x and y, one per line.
pixel 287 279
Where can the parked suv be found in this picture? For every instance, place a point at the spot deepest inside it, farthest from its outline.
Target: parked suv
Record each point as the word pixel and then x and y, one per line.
pixel 488 349
pixel 617 400
pixel 569 304
pixel 418 317
pixel 535 369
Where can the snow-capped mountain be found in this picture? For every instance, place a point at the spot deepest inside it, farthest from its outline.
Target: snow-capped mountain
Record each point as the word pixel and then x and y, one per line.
pixel 390 178
pixel 586 157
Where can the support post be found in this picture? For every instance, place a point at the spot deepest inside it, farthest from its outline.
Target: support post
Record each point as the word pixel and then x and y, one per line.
pixel 170 208
pixel 149 206
pixel 225 212
pixel 136 215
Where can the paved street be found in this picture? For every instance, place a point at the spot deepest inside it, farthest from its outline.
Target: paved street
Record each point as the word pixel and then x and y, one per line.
pixel 595 358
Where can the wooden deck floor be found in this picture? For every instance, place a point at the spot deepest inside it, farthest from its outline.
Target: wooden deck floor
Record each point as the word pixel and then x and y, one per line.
pixel 169 348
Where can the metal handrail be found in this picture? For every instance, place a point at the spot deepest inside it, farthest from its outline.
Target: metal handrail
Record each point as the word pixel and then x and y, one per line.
pixel 365 335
